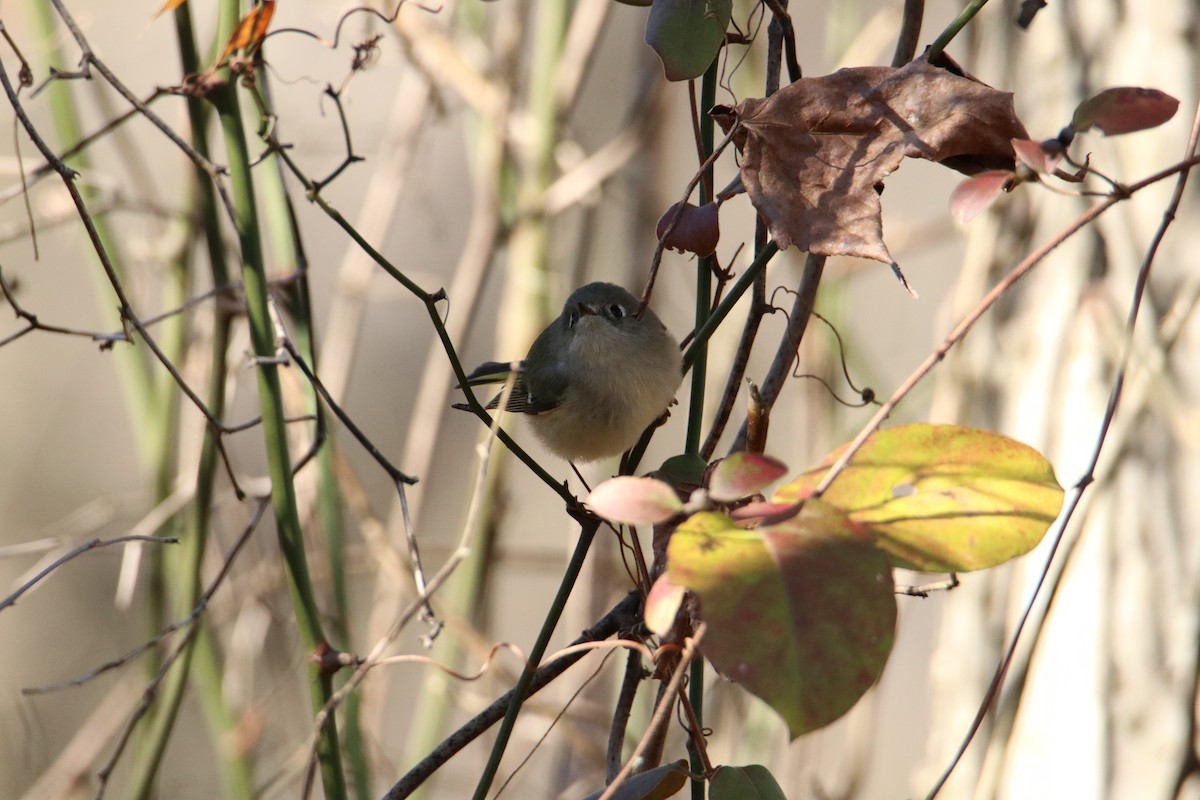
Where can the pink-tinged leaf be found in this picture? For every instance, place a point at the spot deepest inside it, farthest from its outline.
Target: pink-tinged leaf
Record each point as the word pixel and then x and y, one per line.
pixel 1041 157
pixel 753 782
pixel 743 474
pixel 634 501
pixel 697 231
pixel 1124 109
pixel 662 605
pixel 801 613
pixel 756 513
pixel 972 196
pixel 687 34
pixel 942 498
pixel 654 784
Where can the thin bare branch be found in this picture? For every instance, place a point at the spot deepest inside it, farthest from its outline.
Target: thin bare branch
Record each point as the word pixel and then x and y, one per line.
pixel 94 544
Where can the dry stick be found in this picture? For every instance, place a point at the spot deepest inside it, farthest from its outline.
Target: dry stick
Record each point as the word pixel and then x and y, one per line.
pixel 656 260
pixel 635 673
pixel 553 723
pixel 128 316
pixel 421 603
pixel 1114 398
pixel 148 694
pixel 662 712
pixel 620 617
pixel 781 367
pixel 32 323
pixel 758 299
pixel 788 34
pixel 80 550
pixel 87 59
pixel 45 168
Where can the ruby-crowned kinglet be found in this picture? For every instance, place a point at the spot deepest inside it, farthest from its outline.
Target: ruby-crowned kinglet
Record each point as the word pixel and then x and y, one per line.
pixel 595 377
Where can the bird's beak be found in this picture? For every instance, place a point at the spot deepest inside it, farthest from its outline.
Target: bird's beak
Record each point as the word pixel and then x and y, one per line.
pixel 585 310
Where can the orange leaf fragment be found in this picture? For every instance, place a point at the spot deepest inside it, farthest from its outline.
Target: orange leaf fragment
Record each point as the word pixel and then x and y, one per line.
pixel 170 5
pixel 251 31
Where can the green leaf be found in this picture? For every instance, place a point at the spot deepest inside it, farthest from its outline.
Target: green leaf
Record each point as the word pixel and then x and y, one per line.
pixel 754 782
pixel 942 498
pixel 801 613
pixel 743 474
pixel 653 784
pixel 634 501
pixel 681 471
pixel 687 34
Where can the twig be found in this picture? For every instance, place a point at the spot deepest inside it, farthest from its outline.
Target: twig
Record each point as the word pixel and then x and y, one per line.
pixel 661 713
pixel 80 550
pixel 923 590
pixel 587 532
pixel 620 617
pixel 781 366
pixel 151 690
pixel 635 673
pixel 460 554
pixel 910 32
pixel 1077 491
pixel 781 15
pixel 128 317
pixel 32 323
pixel 656 260
pixel 991 298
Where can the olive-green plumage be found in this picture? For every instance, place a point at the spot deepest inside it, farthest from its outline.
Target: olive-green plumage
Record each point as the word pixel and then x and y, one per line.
pixel 596 376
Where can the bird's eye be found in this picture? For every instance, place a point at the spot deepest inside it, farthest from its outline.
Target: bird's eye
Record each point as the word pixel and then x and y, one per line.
pixel 572 318
pixel 616 311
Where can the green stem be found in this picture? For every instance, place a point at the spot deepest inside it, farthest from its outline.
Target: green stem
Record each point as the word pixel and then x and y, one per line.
pixel 704 271
pixel 587 533
pixel 274 425
pixel 185 566
pixel 133 362
pixel 959 22
pixel 727 303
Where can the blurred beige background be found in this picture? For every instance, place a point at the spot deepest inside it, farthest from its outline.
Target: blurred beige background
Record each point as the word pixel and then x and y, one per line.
pixel 70 468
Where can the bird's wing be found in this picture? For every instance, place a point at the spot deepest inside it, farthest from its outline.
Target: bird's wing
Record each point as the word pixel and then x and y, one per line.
pixel 489 372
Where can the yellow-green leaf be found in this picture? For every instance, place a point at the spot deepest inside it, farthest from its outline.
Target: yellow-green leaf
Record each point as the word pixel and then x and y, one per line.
pixel 942 498
pixel 801 613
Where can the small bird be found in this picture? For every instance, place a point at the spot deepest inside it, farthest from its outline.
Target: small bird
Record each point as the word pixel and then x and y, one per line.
pixel 595 377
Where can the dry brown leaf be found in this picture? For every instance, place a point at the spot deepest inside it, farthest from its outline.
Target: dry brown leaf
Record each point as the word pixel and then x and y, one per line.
pixel 814 154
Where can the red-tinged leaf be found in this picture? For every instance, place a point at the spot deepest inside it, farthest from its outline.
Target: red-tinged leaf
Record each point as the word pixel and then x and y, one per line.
pixel 753 782
pixel 802 613
pixel 815 154
pixel 654 784
pixel 972 196
pixel 1041 157
pixel 249 33
pixel 697 231
pixel 743 474
pixel 756 513
pixel 687 34
pixel 634 501
pixel 170 5
pixel 662 605
pixel 942 498
pixel 1124 109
